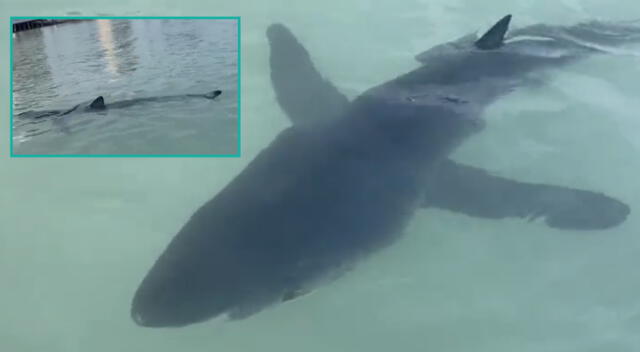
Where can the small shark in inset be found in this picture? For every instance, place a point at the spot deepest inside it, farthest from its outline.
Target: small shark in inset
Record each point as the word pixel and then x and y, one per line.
pixel 98 104
pixel 347 177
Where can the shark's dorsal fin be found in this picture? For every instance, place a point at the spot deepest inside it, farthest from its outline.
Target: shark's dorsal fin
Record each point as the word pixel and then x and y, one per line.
pixel 494 37
pixel 98 103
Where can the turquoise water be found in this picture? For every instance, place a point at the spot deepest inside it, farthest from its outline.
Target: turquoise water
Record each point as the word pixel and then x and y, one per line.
pixel 58 67
pixel 76 236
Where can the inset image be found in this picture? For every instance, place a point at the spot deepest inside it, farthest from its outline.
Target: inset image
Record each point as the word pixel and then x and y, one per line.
pixel 125 86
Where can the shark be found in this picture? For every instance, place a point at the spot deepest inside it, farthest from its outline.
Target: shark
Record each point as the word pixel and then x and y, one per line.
pixel 346 177
pixel 98 104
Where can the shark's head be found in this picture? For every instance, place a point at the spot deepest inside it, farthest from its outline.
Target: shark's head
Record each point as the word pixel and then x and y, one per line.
pixel 168 297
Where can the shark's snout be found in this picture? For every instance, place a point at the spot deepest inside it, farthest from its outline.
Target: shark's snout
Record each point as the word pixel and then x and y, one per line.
pixel 152 308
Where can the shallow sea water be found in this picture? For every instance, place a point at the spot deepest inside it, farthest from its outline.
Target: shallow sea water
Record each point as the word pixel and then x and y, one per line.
pixel 77 236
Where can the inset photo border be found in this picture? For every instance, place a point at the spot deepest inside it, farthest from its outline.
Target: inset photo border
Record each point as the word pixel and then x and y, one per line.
pixel 125 87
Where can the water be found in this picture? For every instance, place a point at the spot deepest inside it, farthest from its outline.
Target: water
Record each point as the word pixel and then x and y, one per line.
pixel 58 67
pixel 76 236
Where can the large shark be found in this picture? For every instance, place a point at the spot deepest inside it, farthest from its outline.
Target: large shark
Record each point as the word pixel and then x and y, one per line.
pixel 345 179
pixel 98 104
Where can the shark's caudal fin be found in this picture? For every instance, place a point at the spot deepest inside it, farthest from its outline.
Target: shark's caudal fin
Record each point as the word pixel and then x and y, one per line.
pixel 213 94
pixel 302 93
pixel 98 103
pixel 494 37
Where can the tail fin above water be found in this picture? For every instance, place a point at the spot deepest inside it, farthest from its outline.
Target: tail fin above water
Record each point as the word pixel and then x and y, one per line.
pixel 212 94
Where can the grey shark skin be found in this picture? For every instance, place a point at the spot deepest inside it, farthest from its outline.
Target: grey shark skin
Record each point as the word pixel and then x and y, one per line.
pixel 343 182
pixel 98 104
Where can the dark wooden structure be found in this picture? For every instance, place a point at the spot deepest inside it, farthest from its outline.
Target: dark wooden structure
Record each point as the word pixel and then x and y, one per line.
pixel 26 24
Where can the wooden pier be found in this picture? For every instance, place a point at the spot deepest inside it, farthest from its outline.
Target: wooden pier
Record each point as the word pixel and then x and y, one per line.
pixel 27 24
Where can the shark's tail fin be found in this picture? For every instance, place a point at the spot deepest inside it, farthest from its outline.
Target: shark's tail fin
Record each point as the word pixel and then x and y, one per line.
pixel 213 94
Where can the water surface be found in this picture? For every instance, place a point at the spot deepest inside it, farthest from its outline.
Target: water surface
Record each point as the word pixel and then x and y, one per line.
pixel 58 67
pixel 77 236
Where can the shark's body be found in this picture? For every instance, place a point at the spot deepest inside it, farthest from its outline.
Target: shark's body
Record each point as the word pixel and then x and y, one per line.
pixel 98 104
pixel 345 180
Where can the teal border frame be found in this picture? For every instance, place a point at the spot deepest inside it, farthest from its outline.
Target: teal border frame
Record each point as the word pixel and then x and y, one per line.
pixel 239 119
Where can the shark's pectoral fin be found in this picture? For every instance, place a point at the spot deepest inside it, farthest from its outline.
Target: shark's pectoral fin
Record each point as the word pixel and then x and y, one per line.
pixel 475 192
pixel 303 94
pixel 494 37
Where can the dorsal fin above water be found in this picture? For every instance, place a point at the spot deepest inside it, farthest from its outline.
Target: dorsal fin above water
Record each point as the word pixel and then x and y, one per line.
pixel 98 103
pixel 494 37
